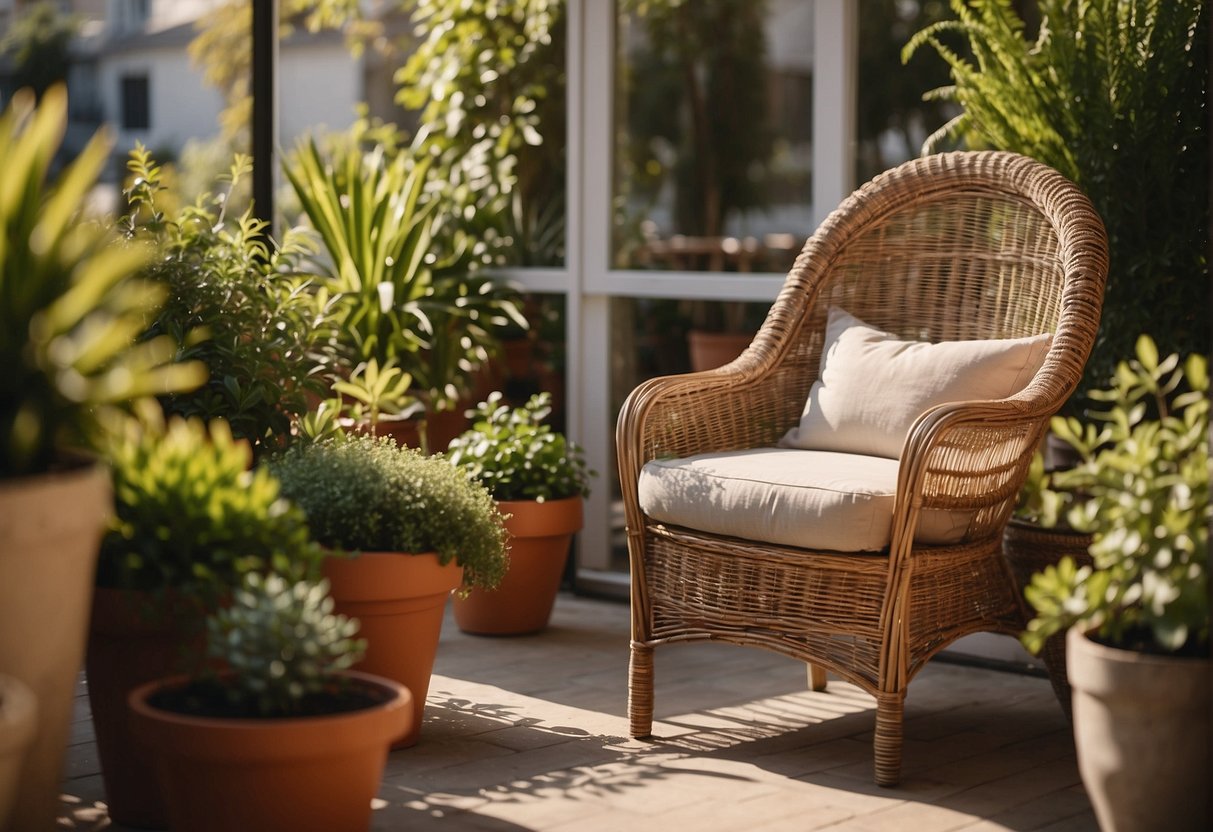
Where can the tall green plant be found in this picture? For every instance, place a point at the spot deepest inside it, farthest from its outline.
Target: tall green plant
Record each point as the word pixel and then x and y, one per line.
pixel 406 294
pixel 71 307
pixel 488 83
pixel 1112 93
pixel 240 307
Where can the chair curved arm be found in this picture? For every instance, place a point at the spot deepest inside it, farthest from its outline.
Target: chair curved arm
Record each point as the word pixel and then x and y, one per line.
pixel 967 456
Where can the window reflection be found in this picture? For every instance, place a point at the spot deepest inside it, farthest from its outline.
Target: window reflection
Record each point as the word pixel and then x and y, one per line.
pixel 713 134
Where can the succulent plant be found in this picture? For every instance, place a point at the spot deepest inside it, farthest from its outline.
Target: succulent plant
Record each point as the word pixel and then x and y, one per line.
pixel 281 643
pixel 517 457
pixel 364 493
pixel 192 517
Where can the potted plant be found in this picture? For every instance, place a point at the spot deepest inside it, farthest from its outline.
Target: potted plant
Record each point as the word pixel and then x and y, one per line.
pixel 539 480
pixel 192 519
pixel 418 529
pixel 286 737
pixel 1138 618
pixel 238 305
pixel 70 308
pixel 404 289
pixel 1036 537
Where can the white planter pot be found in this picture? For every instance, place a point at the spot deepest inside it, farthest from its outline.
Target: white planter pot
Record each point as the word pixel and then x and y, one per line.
pixel 1141 728
pixel 18 718
pixel 50 527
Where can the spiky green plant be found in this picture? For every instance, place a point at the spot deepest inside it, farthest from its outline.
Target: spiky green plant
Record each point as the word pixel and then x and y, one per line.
pixel 71 307
pixel 281 643
pixel 1112 93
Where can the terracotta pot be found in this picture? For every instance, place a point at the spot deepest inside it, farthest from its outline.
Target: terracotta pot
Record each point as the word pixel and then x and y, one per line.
pixel 1141 728
pixel 710 350
pixel 1028 549
pixel 440 429
pixel 399 600
pixel 540 534
pixel 312 774
pixel 18 719
pixel 49 530
pixel 132 641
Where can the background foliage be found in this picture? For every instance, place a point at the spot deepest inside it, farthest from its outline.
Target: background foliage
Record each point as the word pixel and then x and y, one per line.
pixel 1112 93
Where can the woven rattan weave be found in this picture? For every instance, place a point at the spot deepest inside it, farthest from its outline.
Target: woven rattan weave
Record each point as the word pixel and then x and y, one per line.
pixel 950 247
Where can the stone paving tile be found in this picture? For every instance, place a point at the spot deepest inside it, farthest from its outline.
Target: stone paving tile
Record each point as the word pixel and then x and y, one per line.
pixel 532 734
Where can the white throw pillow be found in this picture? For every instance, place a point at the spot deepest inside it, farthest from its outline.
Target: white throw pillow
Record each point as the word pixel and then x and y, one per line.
pixel 872 386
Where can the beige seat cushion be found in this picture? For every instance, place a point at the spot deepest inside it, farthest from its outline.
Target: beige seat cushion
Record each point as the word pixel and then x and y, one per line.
pixel 810 499
pixel 871 386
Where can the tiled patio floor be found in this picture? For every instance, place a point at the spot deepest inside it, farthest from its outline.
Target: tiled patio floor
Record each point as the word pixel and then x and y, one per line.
pixel 531 734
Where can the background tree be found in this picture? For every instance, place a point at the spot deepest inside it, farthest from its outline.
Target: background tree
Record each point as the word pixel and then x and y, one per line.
pixel 37 45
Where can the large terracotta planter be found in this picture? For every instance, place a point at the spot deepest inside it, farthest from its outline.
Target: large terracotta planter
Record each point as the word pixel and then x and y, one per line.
pixel 540 534
pixel 50 527
pixel 1028 548
pixel 1141 728
pixel 132 641
pixel 399 600
pixel 312 774
pixel 18 719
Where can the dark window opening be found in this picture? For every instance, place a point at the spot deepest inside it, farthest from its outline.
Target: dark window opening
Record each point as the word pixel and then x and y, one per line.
pixel 135 107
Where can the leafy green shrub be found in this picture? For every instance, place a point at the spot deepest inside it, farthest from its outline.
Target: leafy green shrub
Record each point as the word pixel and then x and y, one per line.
pixel 1112 93
pixel 281 643
pixel 191 516
pixel 1143 492
pixel 516 457
pixel 70 304
pixel 363 493
pixel 237 305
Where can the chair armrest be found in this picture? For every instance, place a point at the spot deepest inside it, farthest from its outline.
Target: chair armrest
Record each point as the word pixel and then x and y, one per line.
pixel 747 404
pixel 968 456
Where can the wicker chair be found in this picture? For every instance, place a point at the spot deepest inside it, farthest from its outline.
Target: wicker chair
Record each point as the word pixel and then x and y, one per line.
pixel 953 247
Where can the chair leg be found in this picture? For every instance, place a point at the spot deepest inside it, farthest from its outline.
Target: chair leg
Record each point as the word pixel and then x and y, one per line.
pixel 890 712
pixel 817 678
pixel 640 690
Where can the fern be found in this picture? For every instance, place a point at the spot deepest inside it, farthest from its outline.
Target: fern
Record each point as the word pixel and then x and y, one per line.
pixel 1111 93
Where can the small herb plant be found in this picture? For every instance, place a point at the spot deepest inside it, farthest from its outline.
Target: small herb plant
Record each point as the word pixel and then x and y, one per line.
pixel 282 646
pixel 1144 495
pixel 517 457
pixel 364 493
pixel 191 516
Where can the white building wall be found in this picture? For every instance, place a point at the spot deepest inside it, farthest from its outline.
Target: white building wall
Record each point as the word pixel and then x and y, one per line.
pixel 180 106
pixel 318 86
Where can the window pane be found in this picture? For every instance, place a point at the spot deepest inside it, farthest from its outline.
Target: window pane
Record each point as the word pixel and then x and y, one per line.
pixel 893 120
pixel 135 115
pixel 713 134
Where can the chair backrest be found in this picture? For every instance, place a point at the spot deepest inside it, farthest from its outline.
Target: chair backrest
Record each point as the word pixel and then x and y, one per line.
pixel 957 246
